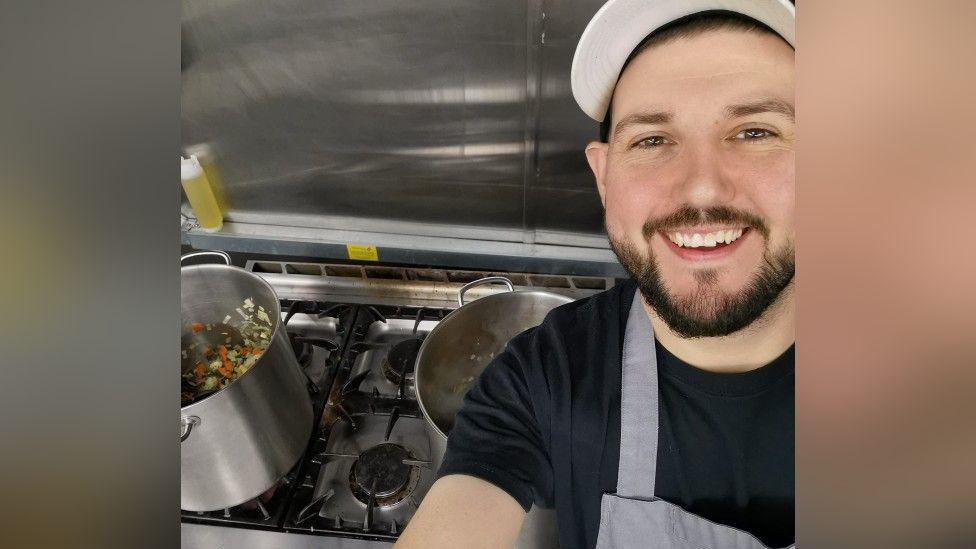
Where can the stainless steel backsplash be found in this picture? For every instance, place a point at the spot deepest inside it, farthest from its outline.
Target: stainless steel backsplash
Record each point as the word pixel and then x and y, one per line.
pixel 435 115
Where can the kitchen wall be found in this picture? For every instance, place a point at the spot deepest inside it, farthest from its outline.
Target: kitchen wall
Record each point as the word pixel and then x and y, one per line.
pixel 432 117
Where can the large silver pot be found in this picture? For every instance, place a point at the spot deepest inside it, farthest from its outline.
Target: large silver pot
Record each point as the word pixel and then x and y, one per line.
pixel 238 442
pixel 455 353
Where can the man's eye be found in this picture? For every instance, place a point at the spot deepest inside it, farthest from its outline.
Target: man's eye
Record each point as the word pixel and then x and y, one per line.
pixel 753 134
pixel 653 141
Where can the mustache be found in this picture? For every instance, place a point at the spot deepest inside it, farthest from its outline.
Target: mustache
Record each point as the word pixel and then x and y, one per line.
pixel 686 215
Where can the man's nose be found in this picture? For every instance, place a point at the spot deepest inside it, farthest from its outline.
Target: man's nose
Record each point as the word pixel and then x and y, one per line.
pixel 705 182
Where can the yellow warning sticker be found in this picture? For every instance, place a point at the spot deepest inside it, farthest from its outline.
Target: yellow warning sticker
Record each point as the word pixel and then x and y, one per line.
pixel 362 252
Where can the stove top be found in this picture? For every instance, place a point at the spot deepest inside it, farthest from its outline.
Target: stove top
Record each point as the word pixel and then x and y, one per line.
pixel 368 463
pixel 371 462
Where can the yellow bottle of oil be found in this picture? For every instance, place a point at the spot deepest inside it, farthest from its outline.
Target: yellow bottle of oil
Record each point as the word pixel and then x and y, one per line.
pixel 208 161
pixel 201 196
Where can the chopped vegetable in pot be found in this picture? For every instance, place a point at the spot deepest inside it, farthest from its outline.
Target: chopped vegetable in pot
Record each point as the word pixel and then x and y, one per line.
pixel 226 363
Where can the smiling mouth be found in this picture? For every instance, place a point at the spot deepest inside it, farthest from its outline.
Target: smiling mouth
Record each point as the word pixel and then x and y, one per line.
pixel 706 244
pixel 714 239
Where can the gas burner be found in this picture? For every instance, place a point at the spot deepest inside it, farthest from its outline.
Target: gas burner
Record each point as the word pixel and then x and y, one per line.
pixel 401 358
pixel 380 474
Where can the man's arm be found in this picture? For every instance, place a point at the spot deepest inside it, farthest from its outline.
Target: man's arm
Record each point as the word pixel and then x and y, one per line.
pixel 463 511
pixel 496 465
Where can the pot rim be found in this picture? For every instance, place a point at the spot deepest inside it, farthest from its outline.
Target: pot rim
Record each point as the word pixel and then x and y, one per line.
pixel 444 322
pixel 274 331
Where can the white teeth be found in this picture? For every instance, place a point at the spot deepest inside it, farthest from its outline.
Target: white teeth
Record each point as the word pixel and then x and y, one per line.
pixel 707 240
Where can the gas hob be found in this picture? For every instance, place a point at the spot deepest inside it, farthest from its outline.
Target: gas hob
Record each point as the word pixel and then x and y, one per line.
pixel 368 465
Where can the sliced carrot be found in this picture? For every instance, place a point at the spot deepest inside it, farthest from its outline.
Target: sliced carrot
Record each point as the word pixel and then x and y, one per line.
pixel 196 326
pixel 223 352
pixel 199 370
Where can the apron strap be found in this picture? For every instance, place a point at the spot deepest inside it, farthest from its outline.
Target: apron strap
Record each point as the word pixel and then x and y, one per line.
pixel 638 406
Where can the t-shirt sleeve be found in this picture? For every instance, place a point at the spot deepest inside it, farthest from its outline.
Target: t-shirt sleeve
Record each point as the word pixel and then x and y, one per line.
pixel 496 435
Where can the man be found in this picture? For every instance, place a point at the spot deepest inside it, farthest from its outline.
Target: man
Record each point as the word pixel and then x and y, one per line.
pixel 658 413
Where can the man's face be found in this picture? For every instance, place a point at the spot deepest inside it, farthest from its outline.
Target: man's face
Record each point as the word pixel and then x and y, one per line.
pixel 700 153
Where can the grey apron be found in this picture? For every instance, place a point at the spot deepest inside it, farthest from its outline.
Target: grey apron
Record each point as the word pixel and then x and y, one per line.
pixel 633 517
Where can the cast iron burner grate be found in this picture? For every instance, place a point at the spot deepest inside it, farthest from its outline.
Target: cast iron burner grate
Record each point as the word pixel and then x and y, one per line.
pixel 302 345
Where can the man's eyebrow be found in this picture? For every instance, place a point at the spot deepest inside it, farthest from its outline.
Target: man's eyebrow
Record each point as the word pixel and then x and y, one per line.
pixel 765 105
pixel 732 111
pixel 657 117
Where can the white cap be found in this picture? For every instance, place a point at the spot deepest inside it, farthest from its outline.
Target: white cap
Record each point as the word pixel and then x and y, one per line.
pixel 203 151
pixel 190 167
pixel 621 25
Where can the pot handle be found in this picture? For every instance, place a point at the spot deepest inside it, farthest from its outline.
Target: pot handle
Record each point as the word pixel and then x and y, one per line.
pixel 479 282
pixel 186 425
pixel 223 255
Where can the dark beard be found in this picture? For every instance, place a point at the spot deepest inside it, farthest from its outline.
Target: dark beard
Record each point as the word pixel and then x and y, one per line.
pixel 708 313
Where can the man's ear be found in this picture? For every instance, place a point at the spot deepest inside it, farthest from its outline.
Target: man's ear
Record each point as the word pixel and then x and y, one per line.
pixel 596 155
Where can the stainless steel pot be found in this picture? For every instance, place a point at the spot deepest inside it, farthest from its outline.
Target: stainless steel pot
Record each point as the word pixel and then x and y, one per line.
pixel 455 353
pixel 238 442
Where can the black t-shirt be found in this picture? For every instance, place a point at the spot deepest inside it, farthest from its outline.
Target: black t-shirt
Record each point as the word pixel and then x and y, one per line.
pixel 543 424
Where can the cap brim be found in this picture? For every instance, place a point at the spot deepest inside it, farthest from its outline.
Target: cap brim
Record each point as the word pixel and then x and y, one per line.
pixel 620 25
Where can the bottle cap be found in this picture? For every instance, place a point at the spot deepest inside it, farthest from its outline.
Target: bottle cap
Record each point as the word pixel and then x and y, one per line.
pixel 190 168
pixel 203 152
